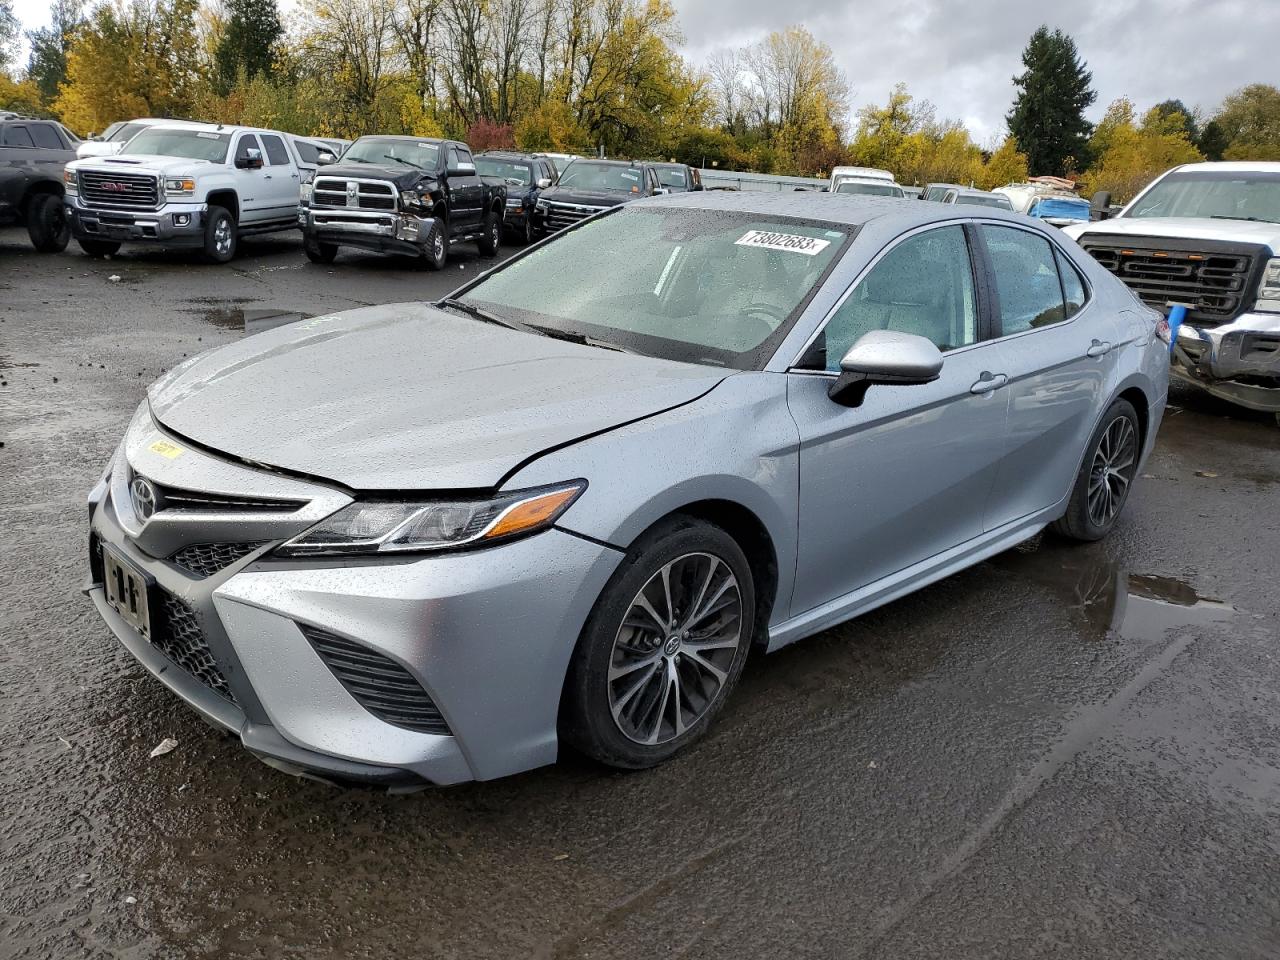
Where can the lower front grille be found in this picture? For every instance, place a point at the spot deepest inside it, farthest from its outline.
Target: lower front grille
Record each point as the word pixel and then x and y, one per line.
pixel 378 683
pixel 181 639
pixel 558 216
pixel 206 559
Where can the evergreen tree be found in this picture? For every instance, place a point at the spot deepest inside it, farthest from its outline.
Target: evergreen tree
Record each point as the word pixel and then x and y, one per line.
pixel 247 43
pixel 1047 118
pixel 47 66
pixel 9 32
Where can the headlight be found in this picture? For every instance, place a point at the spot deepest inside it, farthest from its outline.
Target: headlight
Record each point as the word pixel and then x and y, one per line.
pixel 1269 289
pixel 179 186
pixel 70 182
pixel 304 191
pixel 381 527
pixel 410 200
pixel 515 202
pixel 542 206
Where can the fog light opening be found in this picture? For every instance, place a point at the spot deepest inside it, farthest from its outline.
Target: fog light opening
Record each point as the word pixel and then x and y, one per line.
pixel 181 219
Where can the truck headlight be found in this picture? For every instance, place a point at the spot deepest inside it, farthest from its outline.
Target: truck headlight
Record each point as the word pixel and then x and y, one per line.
pixel 70 182
pixel 410 200
pixel 179 186
pixel 1269 288
pixel 382 527
pixel 541 206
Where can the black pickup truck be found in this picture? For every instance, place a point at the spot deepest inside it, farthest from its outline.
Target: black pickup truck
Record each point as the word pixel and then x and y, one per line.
pixel 32 156
pixel 408 195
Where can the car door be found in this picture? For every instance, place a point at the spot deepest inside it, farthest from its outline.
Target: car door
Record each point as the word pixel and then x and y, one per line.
pixel 251 182
pixel 280 197
pixel 1060 354
pixel 906 475
pixel 465 191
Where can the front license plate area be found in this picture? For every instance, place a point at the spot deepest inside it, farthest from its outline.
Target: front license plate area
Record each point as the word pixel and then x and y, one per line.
pixel 128 591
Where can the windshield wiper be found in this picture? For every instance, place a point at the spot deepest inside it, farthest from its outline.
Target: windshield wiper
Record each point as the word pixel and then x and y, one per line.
pixel 476 313
pixel 1220 216
pixel 573 337
pixel 407 163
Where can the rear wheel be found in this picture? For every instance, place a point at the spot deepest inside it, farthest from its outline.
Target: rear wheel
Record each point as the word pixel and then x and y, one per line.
pixel 98 248
pixel 491 235
pixel 663 648
pixel 219 235
pixel 1102 486
pixel 437 252
pixel 47 223
pixel 318 252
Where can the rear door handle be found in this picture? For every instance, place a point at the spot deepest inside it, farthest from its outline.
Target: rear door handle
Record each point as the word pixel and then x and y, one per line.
pixel 1098 349
pixel 990 381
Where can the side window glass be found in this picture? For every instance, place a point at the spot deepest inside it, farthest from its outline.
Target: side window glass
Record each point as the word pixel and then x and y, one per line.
pixel 1026 276
pixel 453 158
pixel 16 136
pixel 1073 289
pixel 247 142
pixel 924 285
pixel 45 136
pixel 277 155
pixel 309 152
pixel 465 158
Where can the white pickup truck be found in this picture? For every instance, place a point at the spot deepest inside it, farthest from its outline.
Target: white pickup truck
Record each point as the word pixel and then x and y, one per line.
pixel 1206 235
pixel 199 187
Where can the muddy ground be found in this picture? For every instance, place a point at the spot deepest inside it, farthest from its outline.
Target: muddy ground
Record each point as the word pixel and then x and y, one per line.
pixel 1065 752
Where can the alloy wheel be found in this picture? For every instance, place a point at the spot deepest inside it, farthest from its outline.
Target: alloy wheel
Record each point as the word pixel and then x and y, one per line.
pixel 222 237
pixel 675 647
pixel 1114 461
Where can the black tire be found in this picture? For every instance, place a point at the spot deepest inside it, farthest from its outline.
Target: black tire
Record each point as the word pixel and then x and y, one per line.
pixel 436 253
pixel 490 235
pixel 318 252
pixel 48 225
pixel 1107 472
pixel 219 235
pixel 98 248
pixel 610 639
pixel 526 232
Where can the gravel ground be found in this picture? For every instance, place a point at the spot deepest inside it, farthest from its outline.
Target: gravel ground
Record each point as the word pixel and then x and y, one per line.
pixel 1064 752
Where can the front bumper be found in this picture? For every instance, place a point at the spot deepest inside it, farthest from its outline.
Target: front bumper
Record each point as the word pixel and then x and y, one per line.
pixel 174 224
pixel 487 634
pixel 1238 361
pixel 382 231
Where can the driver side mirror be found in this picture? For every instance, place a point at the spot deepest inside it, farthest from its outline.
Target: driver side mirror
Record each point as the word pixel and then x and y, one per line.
pixel 252 159
pixel 1100 205
pixel 543 183
pixel 888 358
pixel 324 158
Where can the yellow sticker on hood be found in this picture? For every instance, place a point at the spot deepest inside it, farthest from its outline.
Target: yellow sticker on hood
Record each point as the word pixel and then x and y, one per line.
pixel 166 449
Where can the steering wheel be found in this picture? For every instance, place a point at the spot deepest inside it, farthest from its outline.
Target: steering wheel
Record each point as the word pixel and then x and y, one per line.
pixel 767 310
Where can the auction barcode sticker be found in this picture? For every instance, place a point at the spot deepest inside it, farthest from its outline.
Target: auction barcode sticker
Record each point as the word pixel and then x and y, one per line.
pixel 790 242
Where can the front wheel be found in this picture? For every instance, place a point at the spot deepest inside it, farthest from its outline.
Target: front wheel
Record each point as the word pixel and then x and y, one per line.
pixel 1102 485
pixel 490 235
pixel 98 248
pixel 318 252
pixel 437 252
pixel 48 225
pixel 219 235
pixel 663 648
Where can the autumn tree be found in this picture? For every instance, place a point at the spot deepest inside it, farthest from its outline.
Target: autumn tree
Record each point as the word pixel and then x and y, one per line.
pixel 1130 154
pixel 1249 122
pixel 1006 164
pixel 1054 91
pixel 47 63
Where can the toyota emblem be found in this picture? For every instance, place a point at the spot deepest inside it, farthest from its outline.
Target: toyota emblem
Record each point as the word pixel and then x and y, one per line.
pixel 144 497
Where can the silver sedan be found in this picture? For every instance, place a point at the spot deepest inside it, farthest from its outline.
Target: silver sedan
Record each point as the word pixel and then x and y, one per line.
pixel 429 543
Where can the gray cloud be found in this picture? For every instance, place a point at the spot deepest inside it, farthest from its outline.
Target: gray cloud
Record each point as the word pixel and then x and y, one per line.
pixel 963 56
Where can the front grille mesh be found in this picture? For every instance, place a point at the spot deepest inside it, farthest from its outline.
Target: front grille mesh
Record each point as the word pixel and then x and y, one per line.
pixel 332 192
pixel 1216 284
pixel 182 641
pixel 378 683
pixel 134 191
pixel 206 559
pixel 174 498
pixel 559 216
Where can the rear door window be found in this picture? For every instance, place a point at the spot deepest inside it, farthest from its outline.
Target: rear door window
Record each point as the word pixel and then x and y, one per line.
pixel 1028 287
pixel 277 155
pixel 46 137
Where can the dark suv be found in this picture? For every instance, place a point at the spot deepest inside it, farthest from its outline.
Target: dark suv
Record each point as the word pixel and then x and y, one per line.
pixel 588 186
pixel 32 156
pixel 525 177
pixel 678 177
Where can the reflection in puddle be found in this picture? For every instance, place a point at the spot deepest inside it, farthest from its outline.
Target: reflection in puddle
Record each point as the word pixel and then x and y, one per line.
pixel 231 316
pixel 1112 601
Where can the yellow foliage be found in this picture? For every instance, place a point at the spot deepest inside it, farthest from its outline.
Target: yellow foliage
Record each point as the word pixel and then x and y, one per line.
pixel 21 97
pixel 1007 164
pixel 1130 156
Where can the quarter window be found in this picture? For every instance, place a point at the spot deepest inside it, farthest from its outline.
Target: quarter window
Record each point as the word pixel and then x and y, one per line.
pixel 15 136
pixel 924 286
pixel 1026 275
pixel 1073 290
pixel 277 155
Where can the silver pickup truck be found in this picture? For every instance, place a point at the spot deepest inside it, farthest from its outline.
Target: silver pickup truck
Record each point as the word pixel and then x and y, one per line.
pixel 1207 235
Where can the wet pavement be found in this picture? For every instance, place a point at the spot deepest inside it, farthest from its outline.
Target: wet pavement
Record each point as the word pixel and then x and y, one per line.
pixel 1068 751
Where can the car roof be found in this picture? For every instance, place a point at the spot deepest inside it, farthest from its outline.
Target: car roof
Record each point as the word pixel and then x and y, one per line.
pixel 966 192
pixel 1234 166
pixel 509 155
pixel 617 163
pixel 850 209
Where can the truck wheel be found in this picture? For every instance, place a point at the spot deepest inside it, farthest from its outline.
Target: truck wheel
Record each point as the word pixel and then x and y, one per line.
pixel 47 223
pixel 318 252
pixel 98 248
pixel 219 235
pixel 491 236
pixel 526 232
pixel 437 252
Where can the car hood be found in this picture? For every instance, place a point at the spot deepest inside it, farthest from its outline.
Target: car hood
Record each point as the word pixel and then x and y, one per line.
pixel 1184 228
pixel 592 198
pixel 402 176
pixel 409 397
pixel 126 163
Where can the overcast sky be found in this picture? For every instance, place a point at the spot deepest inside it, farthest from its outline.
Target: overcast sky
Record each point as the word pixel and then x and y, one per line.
pixel 962 55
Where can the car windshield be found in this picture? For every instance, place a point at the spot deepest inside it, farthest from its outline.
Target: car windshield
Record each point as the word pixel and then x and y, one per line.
pixel 387 151
pixel 192 144
pixel 869 189
pixel 560 163
pixel 979 200
pixel 589 175
pixel 513 172
pixel 125 131
pixel 697 286
pixel 1213 194
pixel 673 178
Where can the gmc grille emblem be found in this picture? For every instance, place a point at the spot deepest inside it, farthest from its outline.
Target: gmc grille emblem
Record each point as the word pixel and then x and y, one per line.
pixel 114 187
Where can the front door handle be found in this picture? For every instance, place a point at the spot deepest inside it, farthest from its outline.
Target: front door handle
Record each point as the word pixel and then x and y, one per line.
pixel 1098 349
pixel 989 382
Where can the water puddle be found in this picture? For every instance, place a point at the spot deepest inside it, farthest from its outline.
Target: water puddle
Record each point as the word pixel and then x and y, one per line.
pixel 233 315
pixel 1112 601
